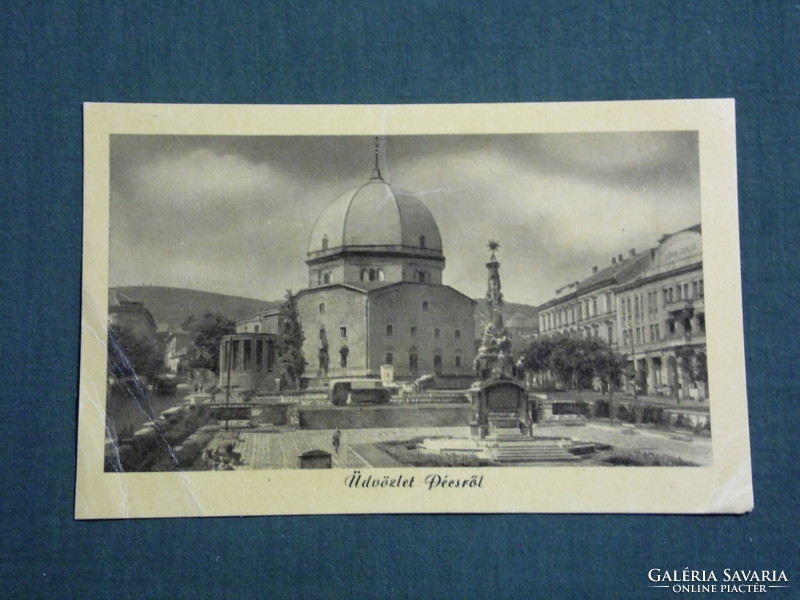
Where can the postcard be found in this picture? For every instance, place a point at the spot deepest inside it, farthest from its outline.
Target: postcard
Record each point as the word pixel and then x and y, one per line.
pixel 497 308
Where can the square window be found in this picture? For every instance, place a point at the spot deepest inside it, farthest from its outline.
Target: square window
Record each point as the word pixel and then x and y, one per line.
pixel 343 332
pixel 413 331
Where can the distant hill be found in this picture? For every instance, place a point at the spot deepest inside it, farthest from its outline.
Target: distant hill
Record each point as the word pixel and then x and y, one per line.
pixel 172 305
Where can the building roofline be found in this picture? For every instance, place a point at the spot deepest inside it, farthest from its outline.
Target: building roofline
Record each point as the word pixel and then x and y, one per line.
pixel 416 283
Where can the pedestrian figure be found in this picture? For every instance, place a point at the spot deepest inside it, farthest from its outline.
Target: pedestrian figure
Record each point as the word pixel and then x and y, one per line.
pixel 337 438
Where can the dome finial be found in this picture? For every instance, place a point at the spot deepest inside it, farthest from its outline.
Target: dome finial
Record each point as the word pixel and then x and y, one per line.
pixel 376 172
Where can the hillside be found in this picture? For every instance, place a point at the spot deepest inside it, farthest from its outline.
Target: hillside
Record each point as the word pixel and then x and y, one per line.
pixel 172 305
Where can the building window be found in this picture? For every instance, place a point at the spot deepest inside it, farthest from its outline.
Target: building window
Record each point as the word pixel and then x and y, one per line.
pixel 248 349
pixel 413 331
pixel 389 358
pixel 458 334
pixel 235 355
pixel 381 275
pixel 389 330
pixel 343 332
pixel 437 364
pixel 322 308
pixel 259 355
pixel 325 242
pixel 701 288
pixel 421 276
pixel 458 361
pixel 270 355
pixel 436 333
pixel 343 352
pixel 412 360
pixel 425 306
pixel 364 274
pixel 422 241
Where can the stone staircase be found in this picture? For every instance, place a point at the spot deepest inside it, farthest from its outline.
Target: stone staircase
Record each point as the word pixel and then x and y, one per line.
pixel 512 447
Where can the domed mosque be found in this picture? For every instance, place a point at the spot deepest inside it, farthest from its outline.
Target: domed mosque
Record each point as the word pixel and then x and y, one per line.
pixel 375 300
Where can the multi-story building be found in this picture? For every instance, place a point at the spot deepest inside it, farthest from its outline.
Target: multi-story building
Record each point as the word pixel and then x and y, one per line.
pixel 588 308
pixel 650 308
pixel 661 320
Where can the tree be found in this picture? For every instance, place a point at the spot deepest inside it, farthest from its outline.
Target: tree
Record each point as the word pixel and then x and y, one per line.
pixel 131 353
pixel 291 361
pixel 207 331
pixel 693 363
pixel 574 361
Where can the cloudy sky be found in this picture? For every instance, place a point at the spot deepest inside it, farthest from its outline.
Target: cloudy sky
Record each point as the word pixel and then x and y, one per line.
pixel 233 214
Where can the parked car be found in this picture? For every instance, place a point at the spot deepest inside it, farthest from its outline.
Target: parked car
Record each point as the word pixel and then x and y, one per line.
pixel 165 385
pixel 198 399
pixel 358 391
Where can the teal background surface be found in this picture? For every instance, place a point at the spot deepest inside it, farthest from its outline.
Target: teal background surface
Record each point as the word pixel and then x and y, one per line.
pixel 56 55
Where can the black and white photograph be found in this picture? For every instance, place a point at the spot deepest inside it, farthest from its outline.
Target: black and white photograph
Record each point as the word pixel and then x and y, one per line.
pixel 437 305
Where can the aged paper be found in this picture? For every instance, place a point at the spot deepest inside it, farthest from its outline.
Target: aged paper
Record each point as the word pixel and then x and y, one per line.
pixel 610 227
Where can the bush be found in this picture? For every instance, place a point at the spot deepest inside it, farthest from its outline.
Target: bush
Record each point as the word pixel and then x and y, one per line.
pixel 637 458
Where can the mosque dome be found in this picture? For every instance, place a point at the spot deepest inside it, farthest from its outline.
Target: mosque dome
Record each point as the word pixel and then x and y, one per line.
pixel 376 215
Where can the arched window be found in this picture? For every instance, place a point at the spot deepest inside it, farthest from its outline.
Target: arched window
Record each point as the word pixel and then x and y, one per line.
pixel 381 275
pixel 437 363
pixel 458 359
pixel 389 330
pixel 326 278
pixel 372 274
pixel 364 274
pixel 413 360
pixel 343 352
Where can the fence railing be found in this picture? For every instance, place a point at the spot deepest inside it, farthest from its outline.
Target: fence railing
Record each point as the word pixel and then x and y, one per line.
pixel 435 397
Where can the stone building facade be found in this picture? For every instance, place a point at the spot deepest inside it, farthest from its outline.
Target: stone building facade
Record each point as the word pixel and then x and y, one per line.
pixel 650 308
pixel 587 308
pixel 375 296
pixel 661 320
pixel 248 361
